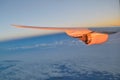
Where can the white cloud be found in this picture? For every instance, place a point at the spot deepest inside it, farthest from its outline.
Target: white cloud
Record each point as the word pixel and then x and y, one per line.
pixel 43 71
pixel 47 45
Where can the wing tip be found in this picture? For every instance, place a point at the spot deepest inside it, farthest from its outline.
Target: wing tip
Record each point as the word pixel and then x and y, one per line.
pixel 18 26
pixel 14 25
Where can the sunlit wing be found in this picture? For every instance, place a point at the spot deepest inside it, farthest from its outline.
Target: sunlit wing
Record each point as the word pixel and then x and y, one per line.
pixel 46 28
pixel 88 35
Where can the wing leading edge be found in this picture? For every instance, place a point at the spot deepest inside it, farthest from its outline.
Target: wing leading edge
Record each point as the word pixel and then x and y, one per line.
pixel 46 28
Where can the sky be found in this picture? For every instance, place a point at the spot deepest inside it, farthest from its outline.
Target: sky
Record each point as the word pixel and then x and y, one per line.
pixel 55 13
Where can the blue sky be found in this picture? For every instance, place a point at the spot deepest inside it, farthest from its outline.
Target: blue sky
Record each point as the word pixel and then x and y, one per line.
pixel 53 13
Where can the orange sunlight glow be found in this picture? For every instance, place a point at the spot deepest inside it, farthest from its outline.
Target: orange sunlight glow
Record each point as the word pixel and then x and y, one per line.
pixel 87 36
pixel 101 23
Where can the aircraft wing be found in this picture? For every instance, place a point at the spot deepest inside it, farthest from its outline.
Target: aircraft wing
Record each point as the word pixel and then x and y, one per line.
pixel 90 35
pixel 46 28
pixel 108 30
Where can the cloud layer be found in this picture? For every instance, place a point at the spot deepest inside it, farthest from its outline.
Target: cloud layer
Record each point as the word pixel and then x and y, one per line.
pixel 60 59
pixel 58 70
